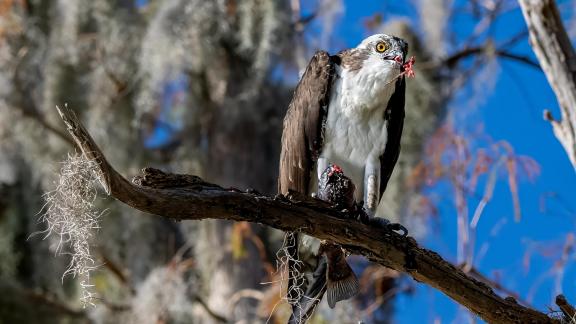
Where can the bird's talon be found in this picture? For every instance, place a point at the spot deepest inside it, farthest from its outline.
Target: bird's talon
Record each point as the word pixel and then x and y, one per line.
pixel 362 217
pixel 396 227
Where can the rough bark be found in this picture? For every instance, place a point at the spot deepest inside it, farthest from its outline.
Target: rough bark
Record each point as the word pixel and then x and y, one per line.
pixel 552 46
pixel 187 197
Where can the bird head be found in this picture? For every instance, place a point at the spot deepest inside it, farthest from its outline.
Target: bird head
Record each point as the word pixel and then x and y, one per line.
pixel 333 169
pixel 388 49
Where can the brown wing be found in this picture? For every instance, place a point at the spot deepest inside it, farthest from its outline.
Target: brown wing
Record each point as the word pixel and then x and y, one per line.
pixel 302 142
pixel 394 114
pixel 304 125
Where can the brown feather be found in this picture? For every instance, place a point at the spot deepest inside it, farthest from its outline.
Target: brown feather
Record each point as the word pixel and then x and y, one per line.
pixel 394 114
pixel 341 282
pixel 353 59
pixel 304 125
pixel 302 141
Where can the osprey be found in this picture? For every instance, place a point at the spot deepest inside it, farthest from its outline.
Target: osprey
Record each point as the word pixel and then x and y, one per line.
pixel 348 109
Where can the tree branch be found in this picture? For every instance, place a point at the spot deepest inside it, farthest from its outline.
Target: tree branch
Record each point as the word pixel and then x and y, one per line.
pixel 42 121
pixel 453 59
pixel 552 46
pixel 565 307
pixel 186 197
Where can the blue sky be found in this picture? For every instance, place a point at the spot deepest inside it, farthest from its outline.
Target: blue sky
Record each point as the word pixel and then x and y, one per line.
pixel 511 112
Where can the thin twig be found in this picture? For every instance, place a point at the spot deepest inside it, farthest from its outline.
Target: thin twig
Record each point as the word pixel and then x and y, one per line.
pixel 209 311
pixel 453 59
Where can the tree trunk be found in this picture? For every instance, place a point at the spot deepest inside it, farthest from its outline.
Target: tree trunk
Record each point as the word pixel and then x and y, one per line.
pixel 552 46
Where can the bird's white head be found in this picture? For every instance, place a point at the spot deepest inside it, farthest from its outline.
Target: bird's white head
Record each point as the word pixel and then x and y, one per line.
pixel 368 73
pixel 385 48
pixel 377 53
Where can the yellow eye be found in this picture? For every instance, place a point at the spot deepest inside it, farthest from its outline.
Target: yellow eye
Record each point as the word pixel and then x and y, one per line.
pixel 381 47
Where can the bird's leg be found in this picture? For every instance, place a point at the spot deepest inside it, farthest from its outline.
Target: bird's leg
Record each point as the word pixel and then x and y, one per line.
pixel 371 185
pixel 372 197
pixel 321 165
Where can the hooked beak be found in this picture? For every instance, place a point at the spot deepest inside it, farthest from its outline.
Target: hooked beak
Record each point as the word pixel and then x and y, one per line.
pixel 396 57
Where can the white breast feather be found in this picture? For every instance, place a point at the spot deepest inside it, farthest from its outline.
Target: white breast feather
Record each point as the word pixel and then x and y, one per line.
pixel 355 126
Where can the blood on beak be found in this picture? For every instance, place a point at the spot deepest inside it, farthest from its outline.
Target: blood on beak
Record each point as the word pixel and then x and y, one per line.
pixel 334 169
pixel 399 59
pixel 337 169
